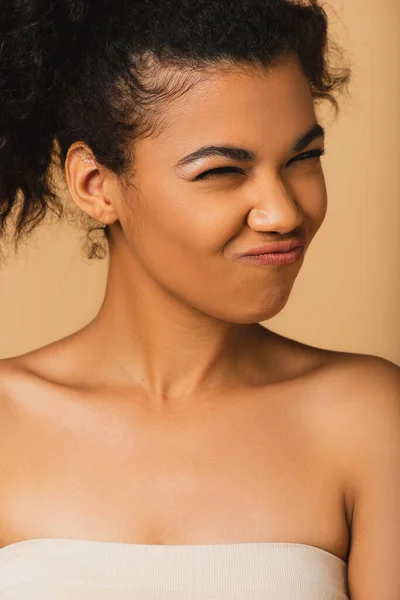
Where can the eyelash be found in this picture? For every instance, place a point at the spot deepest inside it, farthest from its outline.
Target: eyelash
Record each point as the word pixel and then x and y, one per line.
pixel 218 172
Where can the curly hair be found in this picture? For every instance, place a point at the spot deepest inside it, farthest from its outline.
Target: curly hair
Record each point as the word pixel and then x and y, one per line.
pixel 98 71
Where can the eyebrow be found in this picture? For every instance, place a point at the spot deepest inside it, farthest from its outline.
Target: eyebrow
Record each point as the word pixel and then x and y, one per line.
pixel 244 155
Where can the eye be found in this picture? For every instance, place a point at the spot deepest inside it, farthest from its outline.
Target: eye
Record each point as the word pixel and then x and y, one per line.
pixel 217 172
pixel 306 155
pixel 234 170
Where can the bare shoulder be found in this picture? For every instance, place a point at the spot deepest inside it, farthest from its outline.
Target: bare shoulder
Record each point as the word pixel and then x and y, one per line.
pixel 366 388
pixel 9 371
pixel 365 370
pixel 362 391
pixel 366 391
pixel 367 419
pixel 51 363
pixel 18 382
pixel 354 374
pixel 364 403
pixel 370 386
pixel 11 376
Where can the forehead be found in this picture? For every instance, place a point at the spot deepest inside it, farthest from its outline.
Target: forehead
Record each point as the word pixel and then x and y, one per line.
pixel 227 103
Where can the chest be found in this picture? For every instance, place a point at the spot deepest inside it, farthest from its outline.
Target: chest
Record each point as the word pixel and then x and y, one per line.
pixel 247 473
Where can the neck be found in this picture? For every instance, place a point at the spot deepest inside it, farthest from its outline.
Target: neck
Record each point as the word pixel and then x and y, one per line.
pixel 174 354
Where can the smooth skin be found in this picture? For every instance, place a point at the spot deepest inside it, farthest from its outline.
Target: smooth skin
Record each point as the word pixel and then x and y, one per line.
pixel 173 417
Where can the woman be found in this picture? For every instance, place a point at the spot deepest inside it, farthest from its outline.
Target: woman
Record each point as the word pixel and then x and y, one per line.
pixel 174 447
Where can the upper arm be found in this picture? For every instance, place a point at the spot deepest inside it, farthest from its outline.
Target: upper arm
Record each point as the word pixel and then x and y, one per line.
pixel 373 459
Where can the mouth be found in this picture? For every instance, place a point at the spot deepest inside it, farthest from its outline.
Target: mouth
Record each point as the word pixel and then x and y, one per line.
pixel 276 247
pixel 274 258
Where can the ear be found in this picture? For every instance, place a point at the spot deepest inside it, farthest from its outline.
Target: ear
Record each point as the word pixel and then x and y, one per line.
pixel 90 184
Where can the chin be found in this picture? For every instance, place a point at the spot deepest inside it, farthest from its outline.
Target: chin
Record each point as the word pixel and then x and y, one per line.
pixel 244 316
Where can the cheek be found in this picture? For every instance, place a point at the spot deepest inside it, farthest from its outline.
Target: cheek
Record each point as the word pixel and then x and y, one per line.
pixel 178 239
pixel 187 224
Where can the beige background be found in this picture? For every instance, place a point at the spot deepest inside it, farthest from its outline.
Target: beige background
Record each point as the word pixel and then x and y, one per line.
pixel 347 295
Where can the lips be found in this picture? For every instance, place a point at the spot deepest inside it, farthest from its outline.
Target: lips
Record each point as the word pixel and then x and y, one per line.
pixel 276 247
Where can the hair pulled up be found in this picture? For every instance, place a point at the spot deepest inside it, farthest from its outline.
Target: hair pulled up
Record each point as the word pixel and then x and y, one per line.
pixel 98 71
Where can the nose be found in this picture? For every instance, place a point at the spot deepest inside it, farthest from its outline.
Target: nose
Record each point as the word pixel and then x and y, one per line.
pixel 276 209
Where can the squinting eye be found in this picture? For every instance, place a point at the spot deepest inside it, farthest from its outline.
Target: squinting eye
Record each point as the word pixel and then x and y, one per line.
pixel 217 172
pixel 312 154
pixel 234 170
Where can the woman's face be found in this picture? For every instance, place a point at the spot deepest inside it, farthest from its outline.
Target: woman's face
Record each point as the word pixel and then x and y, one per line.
pixel 185 225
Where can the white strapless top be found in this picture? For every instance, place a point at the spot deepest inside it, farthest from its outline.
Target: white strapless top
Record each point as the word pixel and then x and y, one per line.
pixel 71 569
